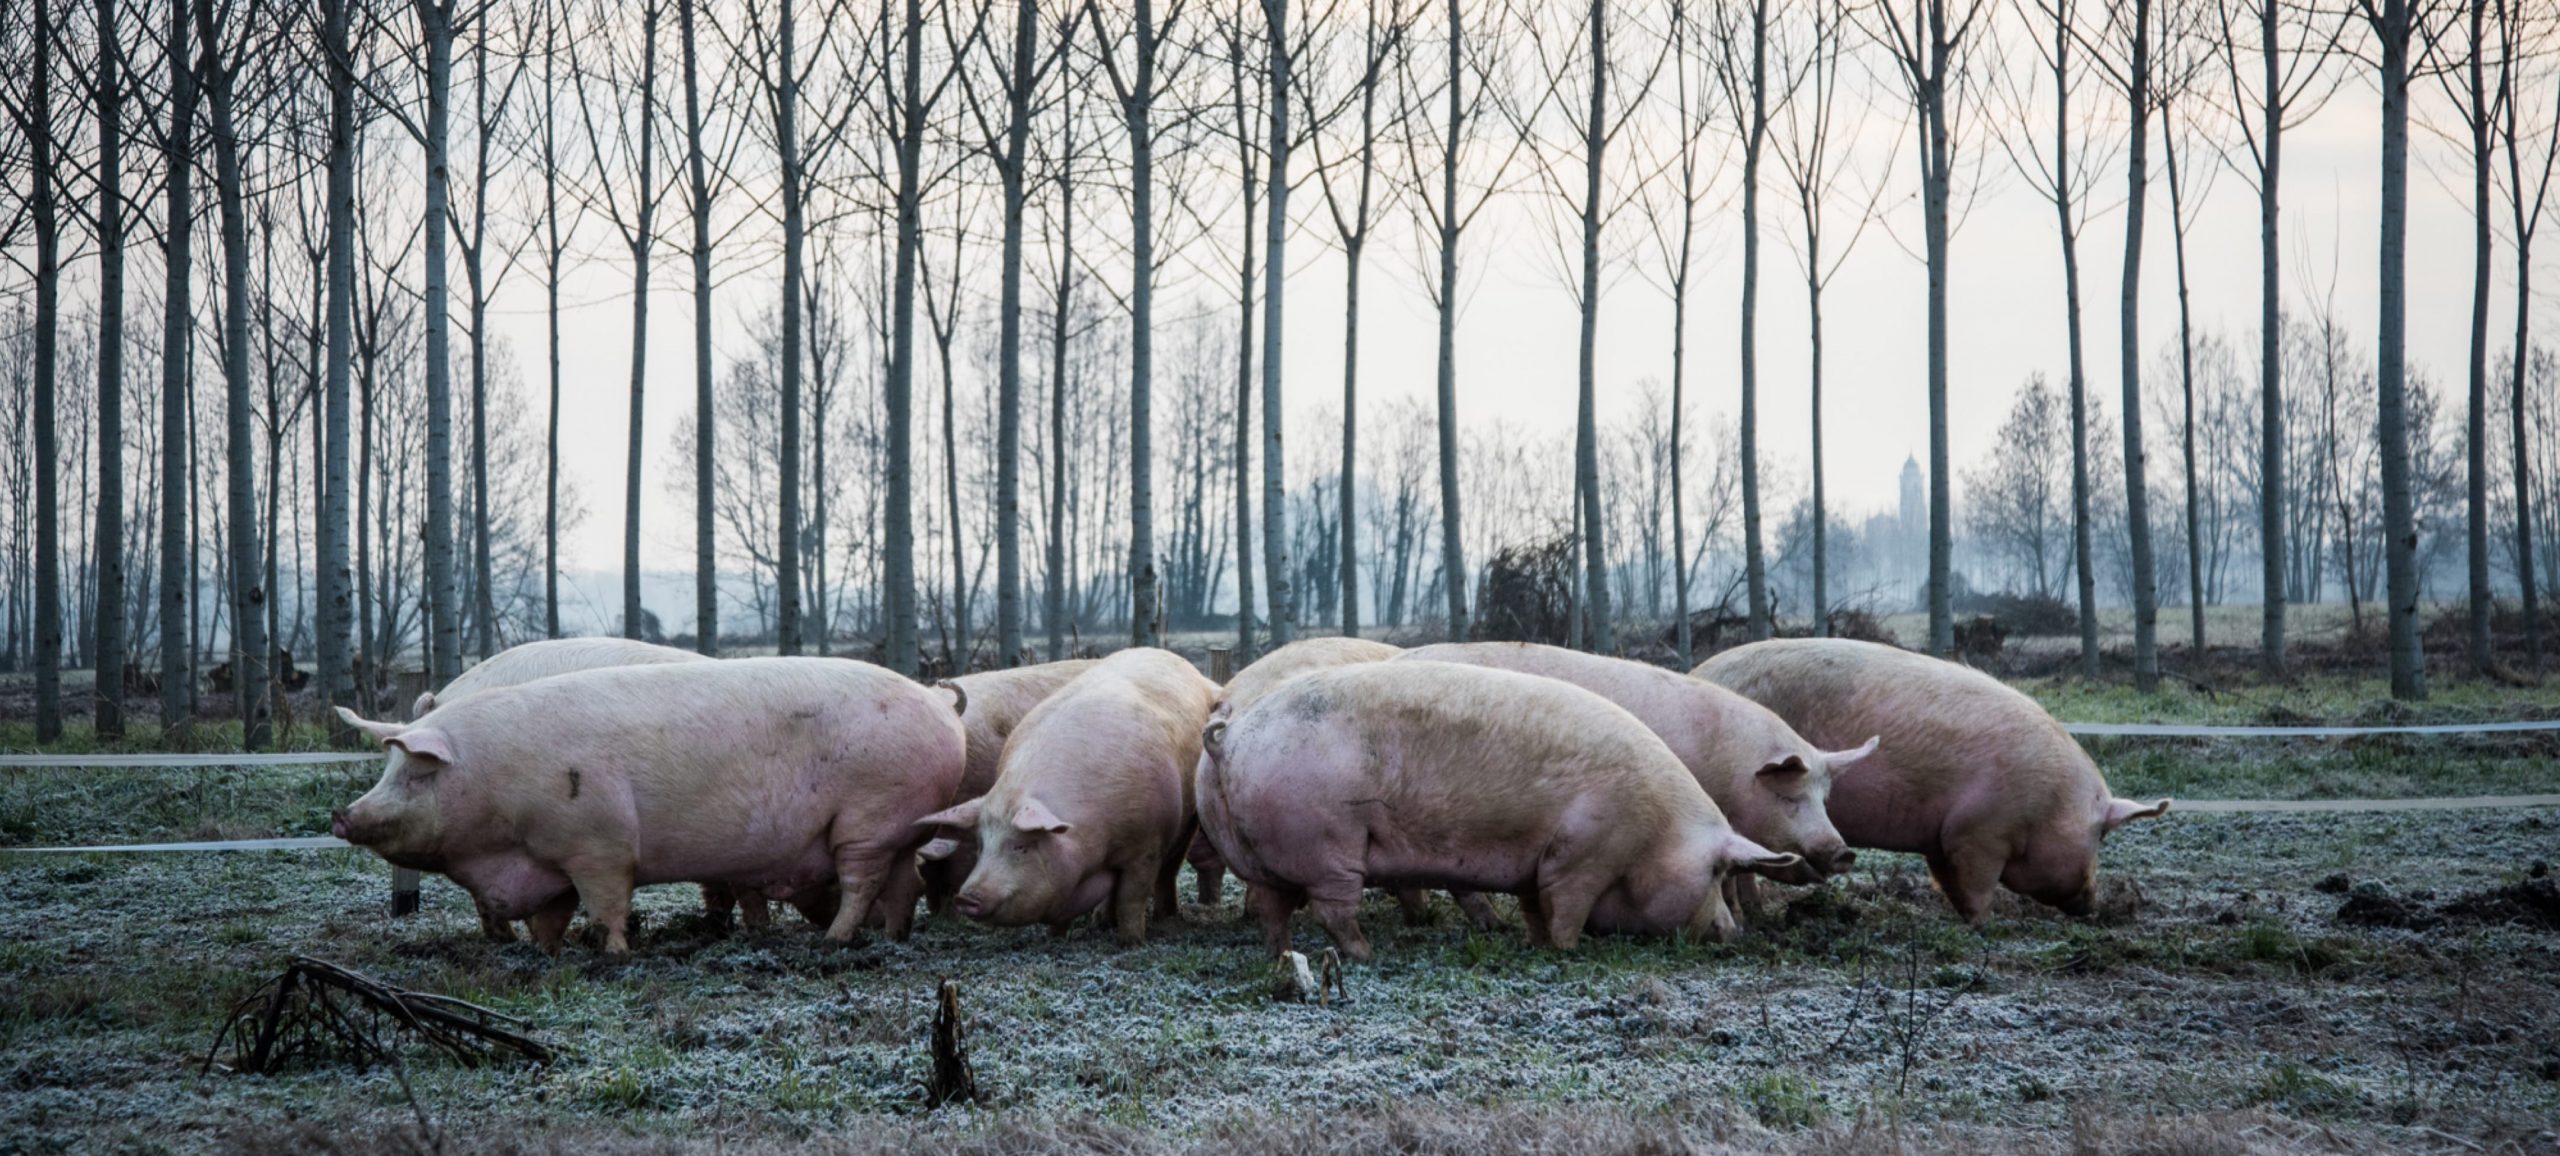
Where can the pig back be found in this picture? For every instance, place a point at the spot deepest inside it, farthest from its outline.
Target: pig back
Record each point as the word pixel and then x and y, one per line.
pixel 546 657
pixel 1115 748
pixel 998 701
pixel 1300 657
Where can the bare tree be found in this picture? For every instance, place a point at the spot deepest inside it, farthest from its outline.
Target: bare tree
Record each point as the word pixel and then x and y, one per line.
pixel 1933 49
pixel 2065 180
pixel 2289 86
pixel 221 66
pixel 2532 150
pixel 1815 153
pixel 622 144
pixel 2404 34
pixel 108 219
pixel 1136 90
pixel 1675 232
pixel 177 321
pixel 1445 209
pixel 32 110
pixel 1742 70
pixel 706 561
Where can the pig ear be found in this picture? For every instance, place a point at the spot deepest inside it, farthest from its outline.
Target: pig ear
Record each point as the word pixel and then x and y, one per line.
pixel 424 743
pixel 380 732
pixel 939 849
pixel 2123 811
pixel 426 702
pixel 1032 816
pixel 1839 761
pixel 964 816
pixel 1742 854
pixel 1791 766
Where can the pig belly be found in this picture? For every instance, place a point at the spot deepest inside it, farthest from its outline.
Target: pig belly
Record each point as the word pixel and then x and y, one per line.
pixel 1620 912
pixel 1394 861
pixel 1088 895
pixel 1877 808
pixel 512 887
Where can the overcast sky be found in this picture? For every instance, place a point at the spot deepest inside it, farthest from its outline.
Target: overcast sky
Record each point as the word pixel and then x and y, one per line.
pixel 1516 337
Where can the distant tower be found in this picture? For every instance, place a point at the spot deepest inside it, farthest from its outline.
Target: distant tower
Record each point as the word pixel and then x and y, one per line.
pixel 1915 507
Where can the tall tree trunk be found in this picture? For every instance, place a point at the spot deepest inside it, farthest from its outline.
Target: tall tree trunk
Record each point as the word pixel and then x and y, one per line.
pixel 1453 555
pixel 1595 540
pixel 2527 213
pixel 2400 537
pixel 1026 31
pixel 337 678
pixel 790 628
pixel 1145 599
pixel 1275 483
pixel 2187 394
pixel 177 326
pixel 2084 565
pixel 1754 563
pixel 640 241
pixel 444 632
pixel 248 600
pixel 2137 504
pixel 706 558
pixel 2271 531
pixel 484 613
pixel 1244 377
pixel 1054 608
pixel 2476 408
pixel 899 520
pixel 1353 247
pixel 551 260
pixel 107 692
pixel 1935 192
pixel 44 208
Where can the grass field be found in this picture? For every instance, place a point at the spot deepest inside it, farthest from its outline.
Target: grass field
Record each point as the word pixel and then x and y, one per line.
pixel 2271 982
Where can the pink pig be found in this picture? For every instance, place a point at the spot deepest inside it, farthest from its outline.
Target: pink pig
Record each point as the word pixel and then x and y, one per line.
pixel 1972 775
pixel 1430 774
pixel 1092 799
pixel 992 703
pixel 781 775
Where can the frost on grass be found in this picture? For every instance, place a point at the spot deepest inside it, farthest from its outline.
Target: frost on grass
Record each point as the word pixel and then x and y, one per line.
pixel 2216 992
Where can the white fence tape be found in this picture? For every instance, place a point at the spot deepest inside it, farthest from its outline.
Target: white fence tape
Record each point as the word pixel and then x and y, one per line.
pixel 314 842
pixel 2168 730
pixel 105 762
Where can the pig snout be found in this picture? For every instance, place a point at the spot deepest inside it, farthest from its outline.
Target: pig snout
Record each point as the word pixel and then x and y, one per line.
pixel 338 823
pixel 970 905
pixel 1832 860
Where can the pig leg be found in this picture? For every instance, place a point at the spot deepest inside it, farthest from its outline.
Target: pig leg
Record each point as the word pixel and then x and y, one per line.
pixel 492 927
pixel 1565 905
pixel 1169 874
pixel 1136 885
pixel 719 903
pixel 1533 913
pixel 860 875
pixel 1209 872
pixel 606 890
pixel 1967 878
pixel 1337 907
pixel 550 922
pixel 898 903
pixel 1415 906
pixel 1478 909
pixel 1271 907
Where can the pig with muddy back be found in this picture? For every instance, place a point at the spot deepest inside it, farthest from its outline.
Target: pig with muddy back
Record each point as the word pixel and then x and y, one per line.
pixel 1972 775
pixel 785 776
pixel 1092 806
pixel 1431 774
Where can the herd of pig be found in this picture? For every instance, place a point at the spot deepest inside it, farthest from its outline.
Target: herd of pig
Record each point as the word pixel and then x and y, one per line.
pixel 1605 795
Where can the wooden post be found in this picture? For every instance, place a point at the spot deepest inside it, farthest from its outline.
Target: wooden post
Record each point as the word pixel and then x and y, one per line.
pixel 406 686
pixel 404 892
pixel 1222 664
